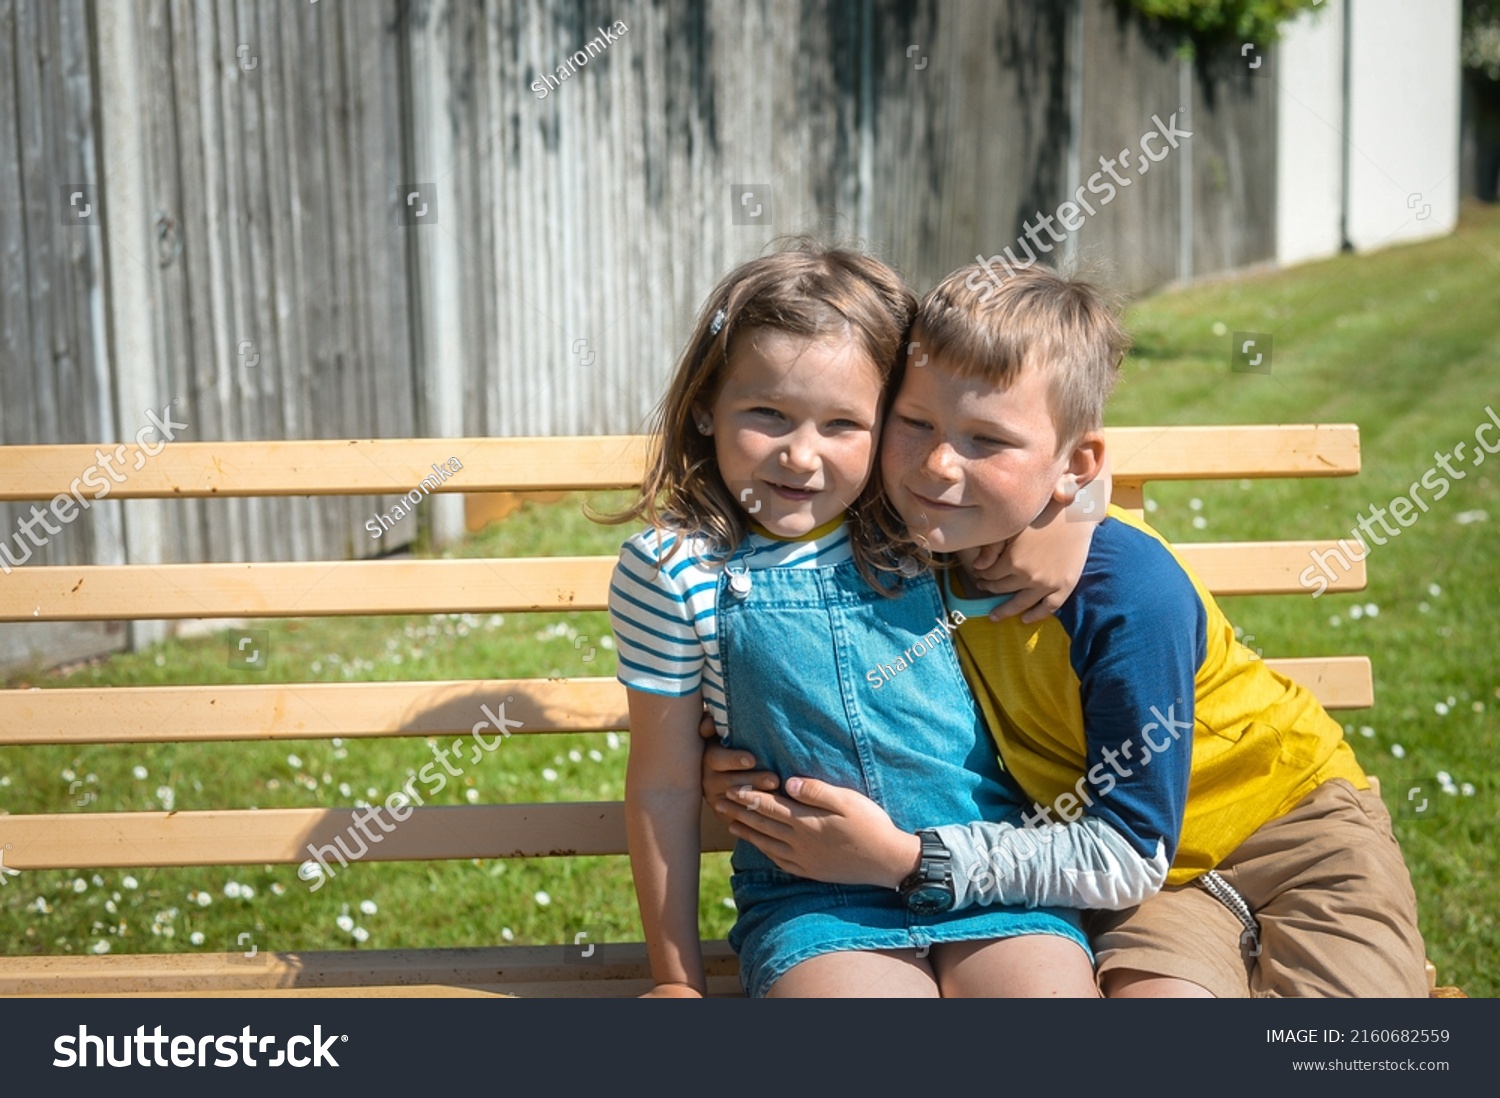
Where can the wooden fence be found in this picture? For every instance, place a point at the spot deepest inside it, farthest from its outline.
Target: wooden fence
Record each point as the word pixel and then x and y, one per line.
pixel 383 219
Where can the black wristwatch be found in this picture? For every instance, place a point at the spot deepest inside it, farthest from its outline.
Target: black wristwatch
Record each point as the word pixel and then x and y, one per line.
pixel 929 889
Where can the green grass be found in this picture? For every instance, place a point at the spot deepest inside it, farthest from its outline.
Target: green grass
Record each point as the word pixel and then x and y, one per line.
pixel 1404 343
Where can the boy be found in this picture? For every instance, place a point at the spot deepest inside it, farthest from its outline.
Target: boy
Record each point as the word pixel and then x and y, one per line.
pixel 1207 808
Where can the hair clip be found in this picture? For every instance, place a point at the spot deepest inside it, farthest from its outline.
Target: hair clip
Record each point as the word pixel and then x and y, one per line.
pixel 717 322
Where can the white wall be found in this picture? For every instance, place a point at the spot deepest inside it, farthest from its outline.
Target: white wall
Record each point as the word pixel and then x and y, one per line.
pixel 1310 109
pixel 1403 126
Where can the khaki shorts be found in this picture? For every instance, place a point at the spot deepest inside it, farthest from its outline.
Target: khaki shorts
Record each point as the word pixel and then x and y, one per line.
pixel 1338 917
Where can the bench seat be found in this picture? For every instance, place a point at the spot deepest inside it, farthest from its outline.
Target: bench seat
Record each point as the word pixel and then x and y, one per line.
pixel 286 711
pixel 617 970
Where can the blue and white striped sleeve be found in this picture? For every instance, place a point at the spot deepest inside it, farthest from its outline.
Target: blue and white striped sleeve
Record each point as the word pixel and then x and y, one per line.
pixel 656 637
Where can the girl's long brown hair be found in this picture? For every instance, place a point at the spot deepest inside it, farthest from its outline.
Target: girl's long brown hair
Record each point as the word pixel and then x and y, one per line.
pixel 807 290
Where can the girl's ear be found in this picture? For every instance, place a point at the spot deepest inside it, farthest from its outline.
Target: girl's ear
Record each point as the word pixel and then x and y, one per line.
pixel 1084 463
pixel 703 419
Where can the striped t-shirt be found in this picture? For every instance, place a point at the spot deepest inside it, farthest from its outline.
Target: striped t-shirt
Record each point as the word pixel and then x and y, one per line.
pixel 666 621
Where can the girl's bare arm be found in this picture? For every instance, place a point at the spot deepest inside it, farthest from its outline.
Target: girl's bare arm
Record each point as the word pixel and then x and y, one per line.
pixel 663 799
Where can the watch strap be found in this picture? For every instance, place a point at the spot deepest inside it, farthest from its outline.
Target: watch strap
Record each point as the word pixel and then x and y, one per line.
pixel 934 864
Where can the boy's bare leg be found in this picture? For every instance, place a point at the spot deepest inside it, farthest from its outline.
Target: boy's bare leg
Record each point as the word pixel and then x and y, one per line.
pixel 866 974
pixel 1030 967
pixel 1127 983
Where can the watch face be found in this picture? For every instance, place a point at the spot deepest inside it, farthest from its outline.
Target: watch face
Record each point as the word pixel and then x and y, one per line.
pixel 929 899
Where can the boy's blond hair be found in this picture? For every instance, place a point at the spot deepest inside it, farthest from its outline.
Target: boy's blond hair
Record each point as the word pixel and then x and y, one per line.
pixel 1058 324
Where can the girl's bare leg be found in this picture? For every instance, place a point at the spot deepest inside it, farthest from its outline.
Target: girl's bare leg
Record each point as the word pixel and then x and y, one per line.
pixel 1029 967
pixel 888 974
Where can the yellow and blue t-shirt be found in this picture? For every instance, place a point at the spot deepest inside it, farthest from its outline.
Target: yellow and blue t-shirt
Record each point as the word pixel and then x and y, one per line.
pixel 1134 712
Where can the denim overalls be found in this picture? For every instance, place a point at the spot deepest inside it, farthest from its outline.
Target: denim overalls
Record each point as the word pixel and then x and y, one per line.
pixel 803 649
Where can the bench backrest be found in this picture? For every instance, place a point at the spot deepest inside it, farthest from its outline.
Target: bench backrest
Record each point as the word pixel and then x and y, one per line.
pixel 148 715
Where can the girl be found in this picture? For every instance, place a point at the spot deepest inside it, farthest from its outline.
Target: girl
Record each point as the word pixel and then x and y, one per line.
pixel 771 587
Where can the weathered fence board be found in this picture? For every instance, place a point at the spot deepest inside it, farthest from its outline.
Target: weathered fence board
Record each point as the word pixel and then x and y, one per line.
pixel 573 233
pixel 54 383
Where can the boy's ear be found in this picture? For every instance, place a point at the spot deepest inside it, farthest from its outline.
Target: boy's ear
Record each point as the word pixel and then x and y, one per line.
pixel 1083 463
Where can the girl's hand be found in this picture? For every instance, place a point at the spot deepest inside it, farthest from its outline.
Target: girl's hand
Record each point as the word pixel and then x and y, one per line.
pixel 826 833
pixel 725 768
pixel 673 991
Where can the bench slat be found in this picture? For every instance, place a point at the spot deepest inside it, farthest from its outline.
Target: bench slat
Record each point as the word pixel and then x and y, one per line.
pixel 324 588
pixel 315 711
pixel 280 836
pixel 334 588
pixel 1264 567
pixel 396 466
pixel 1338 682
pixel 1233 452
pixel 307 711
pixel 719 987
pixel 330 467
pixel 619 967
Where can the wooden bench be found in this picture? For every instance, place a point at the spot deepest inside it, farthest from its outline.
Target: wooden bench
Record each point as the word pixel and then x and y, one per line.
pixel 232 836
